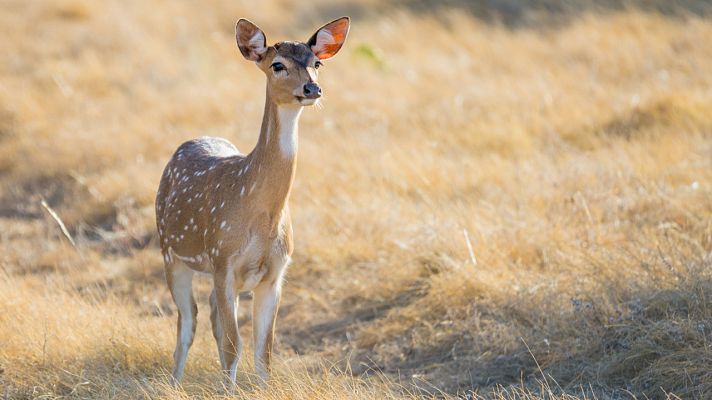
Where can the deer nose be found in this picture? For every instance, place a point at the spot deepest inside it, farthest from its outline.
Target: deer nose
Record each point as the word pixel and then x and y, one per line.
pixel 312 91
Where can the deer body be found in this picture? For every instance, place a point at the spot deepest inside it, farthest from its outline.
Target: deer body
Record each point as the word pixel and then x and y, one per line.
pixel 226 214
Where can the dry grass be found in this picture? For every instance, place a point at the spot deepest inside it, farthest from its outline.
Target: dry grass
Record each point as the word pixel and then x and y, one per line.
pixel 572 141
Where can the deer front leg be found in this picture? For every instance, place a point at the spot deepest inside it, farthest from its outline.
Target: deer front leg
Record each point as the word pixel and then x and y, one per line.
pixel 264 312
pixel 230 344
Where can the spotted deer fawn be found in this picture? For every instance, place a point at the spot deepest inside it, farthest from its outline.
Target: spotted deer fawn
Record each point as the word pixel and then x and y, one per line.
pixel 226 214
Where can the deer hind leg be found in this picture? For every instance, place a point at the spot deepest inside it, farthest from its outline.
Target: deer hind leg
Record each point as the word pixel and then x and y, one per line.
pixel 217 326
pixel 230 344
pixel 180 282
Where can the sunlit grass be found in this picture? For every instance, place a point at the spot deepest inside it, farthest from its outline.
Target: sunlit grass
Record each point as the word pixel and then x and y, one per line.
pixel 577 157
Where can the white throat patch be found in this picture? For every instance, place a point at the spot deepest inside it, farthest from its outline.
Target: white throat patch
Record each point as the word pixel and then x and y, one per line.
pixel 288 124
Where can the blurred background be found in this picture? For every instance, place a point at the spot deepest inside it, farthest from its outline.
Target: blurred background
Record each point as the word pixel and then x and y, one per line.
pixel 498 198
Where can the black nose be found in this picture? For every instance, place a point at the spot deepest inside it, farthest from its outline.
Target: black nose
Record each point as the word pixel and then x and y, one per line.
pixel 312 91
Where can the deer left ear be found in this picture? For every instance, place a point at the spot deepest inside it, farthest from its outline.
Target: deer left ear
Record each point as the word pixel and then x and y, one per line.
pixel 327 41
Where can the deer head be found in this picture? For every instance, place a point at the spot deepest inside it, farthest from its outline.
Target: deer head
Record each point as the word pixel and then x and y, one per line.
pixel 291 67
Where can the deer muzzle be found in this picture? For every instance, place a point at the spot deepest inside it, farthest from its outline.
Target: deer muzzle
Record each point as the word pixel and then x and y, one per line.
pixel 312 91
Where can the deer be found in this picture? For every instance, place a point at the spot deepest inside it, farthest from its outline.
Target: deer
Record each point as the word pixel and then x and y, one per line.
pixel 226 214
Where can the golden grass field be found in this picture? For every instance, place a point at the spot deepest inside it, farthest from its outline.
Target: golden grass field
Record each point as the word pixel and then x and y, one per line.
pixel 570 141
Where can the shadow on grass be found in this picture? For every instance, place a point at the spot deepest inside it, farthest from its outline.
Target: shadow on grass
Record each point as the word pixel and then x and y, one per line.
pixel 358 311
pixel 649 344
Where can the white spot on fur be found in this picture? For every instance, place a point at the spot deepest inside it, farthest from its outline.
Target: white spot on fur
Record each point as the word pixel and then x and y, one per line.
pixel 184 258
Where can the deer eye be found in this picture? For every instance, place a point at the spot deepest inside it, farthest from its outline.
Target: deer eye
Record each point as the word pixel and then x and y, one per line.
pixel 278 66
pixel 317 64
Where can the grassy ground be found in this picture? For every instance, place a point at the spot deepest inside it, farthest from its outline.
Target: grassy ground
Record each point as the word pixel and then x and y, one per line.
pixel 569 143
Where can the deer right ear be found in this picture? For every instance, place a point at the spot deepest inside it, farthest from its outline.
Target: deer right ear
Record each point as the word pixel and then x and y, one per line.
pixel 327 41
pixel 250 40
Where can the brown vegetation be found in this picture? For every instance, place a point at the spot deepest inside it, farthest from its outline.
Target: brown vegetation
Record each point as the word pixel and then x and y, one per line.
pixel 571 141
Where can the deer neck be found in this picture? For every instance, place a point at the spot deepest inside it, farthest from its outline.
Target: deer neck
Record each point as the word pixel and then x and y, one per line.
pixel 274 159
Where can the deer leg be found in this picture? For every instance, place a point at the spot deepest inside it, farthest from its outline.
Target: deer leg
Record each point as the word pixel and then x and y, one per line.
pixel 217 326
pixel 230 342
pixel 180 282
pixel 264 312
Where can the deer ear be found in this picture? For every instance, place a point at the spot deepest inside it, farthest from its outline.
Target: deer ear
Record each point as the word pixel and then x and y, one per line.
pixel 327 41
pixel 250 40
